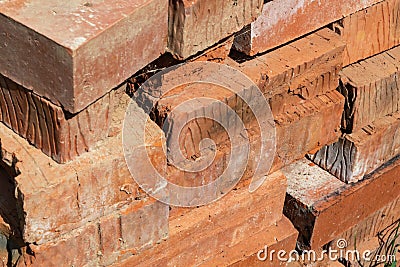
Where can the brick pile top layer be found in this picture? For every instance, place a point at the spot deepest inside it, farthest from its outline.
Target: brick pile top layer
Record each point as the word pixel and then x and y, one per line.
pixel 73 52
pixel 69 23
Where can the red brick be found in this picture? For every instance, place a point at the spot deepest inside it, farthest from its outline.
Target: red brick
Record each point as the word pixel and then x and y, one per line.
pixel 300 92
pixel 197 25
pixel 371 89
pixel 58 198
pixel 218 53
pixel 322 208
pixel 375 234
pixel 48 127
pixel 306 127
pixel 283 21
pixel 367 230
pixel 89 48
pixel 281 236
pixel 317 118
pixel 370 31
pixel 103 242
pixel 306 67
pixel 201 232
pixel 358 154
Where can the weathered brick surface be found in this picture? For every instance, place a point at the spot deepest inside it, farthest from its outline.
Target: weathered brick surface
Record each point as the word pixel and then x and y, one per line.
pixel 375 234
pixel 54 199
pixel 307 67
pixel 360 153
pixel 302 99
pixel 80 51
pixel 285 20
pixel 197 25
pixel 370 31
pixel 281 236
pixel 318 119
pixel 101 243
pixel 201 232
pixel 367 230
pixel 306 127
pixel 218 53
pixel 48 127
pixel 371 88
pixel 322 208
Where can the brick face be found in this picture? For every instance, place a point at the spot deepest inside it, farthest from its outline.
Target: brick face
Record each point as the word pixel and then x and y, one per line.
pixel 48 127
pixel 55 198
pixel 369 228
pixel 197 25
pixel 103 242
pixel 370 31
pixel 371 89
pixel 286 20
pixel 91 51
pixel 281 236
pixel 200 232
pixel 322 208
pixel 360 153
pixel 306 127
pixel 307 67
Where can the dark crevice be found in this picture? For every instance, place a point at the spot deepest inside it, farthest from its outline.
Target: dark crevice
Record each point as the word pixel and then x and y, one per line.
pixel 11 211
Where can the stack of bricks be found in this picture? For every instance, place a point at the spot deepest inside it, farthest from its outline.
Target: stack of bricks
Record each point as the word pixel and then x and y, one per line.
pixel 328 71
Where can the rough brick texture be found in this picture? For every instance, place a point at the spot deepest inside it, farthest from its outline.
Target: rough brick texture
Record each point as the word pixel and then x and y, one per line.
pixel 322 208
pixel 360 153
pixel 48 127
pixel 307 67
pixel 371 88
pixel 370 31
pixel 109 239
pixel 285 20
pixel 373 226
pixel 53 199
pixel 197 25
pixel 306 127
pixel 80 51
pixel 281 236
pixel 317 119
pixel 201 232
pixel 302 97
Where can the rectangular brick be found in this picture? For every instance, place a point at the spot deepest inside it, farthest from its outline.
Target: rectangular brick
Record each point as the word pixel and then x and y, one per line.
pixel 102 243
pixel 306 127
pixel 59 134
pixel 202 232
pixel 370 31
pixel 89 48
pixel 54 199
pixel 281 236
pixel 367 230
pixel 371 88
pixel 197 25
pixel 306 67
pixel 286 20
pixel 322 208
pixel 360 153
pixel 318 119
pixel 301 93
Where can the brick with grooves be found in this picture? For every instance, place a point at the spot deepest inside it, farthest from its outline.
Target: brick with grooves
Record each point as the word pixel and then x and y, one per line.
pixel 370 31
pixel 285 20
pixel 74 52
